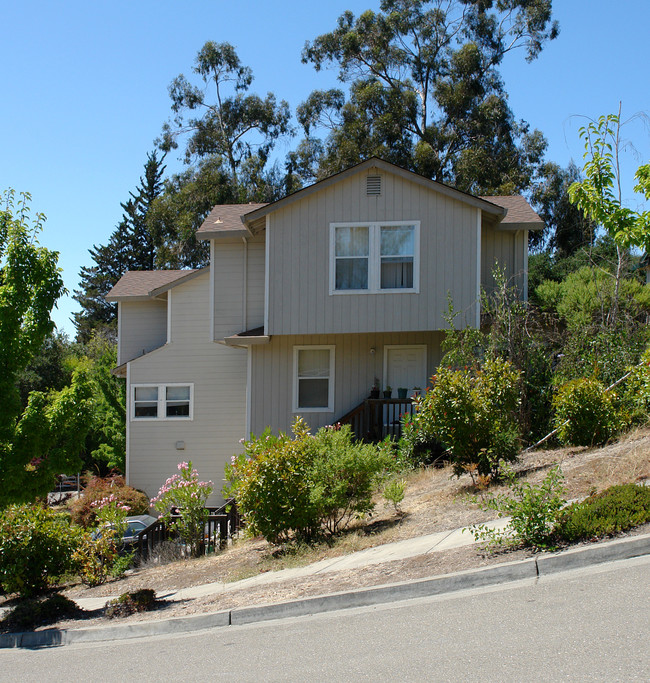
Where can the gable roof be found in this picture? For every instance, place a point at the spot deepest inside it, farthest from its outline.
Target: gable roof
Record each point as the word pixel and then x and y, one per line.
pixel 235 220
pixel 520 214
pixel 380 164
pixel 139 285
pixel 225 220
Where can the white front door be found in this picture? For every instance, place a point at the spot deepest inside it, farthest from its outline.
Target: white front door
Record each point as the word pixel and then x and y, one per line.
pixel 405 366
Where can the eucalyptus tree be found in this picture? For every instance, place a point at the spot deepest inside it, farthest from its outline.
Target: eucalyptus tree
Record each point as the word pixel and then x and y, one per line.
pixel 425 91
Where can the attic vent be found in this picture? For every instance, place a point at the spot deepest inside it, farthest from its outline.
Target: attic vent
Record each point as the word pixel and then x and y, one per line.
pixel 373 185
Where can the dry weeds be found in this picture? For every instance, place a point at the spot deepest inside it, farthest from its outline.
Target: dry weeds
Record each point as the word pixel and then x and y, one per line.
pixel 434 501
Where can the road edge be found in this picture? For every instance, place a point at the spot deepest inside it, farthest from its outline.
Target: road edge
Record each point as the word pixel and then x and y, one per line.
pixel 542 565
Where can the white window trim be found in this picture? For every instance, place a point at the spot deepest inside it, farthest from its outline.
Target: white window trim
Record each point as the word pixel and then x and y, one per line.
pixel 162 417
pixel 330 388
pixel 374 258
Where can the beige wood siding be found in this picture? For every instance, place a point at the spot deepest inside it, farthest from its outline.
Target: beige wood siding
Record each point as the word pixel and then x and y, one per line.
pixel 238 286
pixel 143 327
pixel 218 374
pixel 507 249
pixel 355 369
pixel 299 244
pixel 255 285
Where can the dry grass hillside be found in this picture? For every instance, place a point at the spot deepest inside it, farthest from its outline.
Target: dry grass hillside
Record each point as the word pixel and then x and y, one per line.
pixel 435 500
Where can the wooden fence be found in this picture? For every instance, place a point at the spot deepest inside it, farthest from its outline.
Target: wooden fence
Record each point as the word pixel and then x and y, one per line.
pixel 221 524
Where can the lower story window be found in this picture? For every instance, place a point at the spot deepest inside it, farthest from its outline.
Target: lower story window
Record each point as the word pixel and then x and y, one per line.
pixel 162 402
pixel 313 372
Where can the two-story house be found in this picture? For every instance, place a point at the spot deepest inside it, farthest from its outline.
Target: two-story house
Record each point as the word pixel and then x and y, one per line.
pixel 306 301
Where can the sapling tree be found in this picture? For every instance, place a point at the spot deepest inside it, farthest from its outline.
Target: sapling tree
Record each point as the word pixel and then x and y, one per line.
pixel 599 194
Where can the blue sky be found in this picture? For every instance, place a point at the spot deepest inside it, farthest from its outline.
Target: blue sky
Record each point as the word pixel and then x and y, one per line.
pixel 84 92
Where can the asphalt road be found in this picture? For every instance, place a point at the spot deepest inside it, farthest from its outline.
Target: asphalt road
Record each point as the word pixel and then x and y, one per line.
pixel 585 625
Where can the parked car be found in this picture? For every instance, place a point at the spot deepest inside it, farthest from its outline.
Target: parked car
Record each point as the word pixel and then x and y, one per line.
pixel 135 525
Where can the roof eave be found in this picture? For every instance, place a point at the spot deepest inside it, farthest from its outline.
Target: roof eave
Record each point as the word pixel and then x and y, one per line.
pixel 514 227
pixel 224 234
pixel 170 285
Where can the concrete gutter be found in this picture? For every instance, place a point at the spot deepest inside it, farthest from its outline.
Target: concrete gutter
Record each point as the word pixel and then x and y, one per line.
pixel 542 565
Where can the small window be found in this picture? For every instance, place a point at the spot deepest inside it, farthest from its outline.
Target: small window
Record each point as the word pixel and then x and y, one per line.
pixel 397 254
pixel 352 250
pixel 177 401
pixel 162 402
pixel 314 378
pixel 145 402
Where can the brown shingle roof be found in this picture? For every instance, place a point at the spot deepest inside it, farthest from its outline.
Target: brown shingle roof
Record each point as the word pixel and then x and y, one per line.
pixel 142 283
pixel 226 218
pixel 520 212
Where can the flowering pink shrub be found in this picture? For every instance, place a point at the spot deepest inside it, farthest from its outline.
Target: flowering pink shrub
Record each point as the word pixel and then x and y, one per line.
pixel 112 514
pixel 187 494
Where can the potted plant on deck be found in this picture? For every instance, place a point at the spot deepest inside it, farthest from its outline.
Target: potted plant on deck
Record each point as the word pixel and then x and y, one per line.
pixel 401 392
pixel 374 389
pixel 388 391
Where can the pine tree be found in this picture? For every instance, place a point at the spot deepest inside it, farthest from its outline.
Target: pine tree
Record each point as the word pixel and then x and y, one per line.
pixel 130 247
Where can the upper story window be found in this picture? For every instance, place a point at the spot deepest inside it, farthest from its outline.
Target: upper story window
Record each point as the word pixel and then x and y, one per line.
pixel 374 257
pixel 162 402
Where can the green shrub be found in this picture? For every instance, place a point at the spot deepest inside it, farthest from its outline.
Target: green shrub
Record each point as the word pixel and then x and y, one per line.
pixel 84 511
pixel 297 486
pixel 269 480
pixel 142 600
pixel 394 492
pixel 30 614
pixel 343 476
pixel 472 414
pixel 98 559
pixel 36 548
pixel 585 414
pixel 616 509
pixel 533 510
pixel 636 393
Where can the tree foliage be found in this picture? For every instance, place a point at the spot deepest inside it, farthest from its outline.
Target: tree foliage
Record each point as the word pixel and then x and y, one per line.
pixel 599 195
pixel 234 125
pixel 566 227
pixel 131 246
pixel 45 438
pixel 425 92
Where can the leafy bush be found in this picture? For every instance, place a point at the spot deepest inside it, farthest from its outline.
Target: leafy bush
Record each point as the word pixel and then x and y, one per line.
pixel 295 486
pixel 394 492
pixel 616 509
pixel 344 475
pixel 636 394
pixel 98 559
pixel 36 548
pixel 142 600
pixel 185 495
pixel 29 614
pixel 472 413
pixel 84 511
pixel 270 482
pixel 533 510
pixel 585 414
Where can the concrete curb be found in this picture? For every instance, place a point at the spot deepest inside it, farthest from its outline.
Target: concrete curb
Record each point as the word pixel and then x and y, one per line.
pixel 542 565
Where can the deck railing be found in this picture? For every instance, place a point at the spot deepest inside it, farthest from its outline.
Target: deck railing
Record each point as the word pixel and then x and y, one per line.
pixel 377 418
